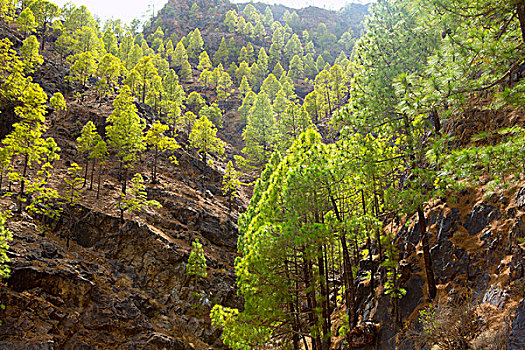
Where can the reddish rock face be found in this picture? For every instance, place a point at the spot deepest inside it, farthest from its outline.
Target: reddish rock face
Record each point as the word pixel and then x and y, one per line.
pixel 120 286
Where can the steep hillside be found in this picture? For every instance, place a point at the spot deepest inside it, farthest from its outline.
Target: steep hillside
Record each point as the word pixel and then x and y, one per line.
pixel 244 176
pixel 177 20
pixel 89 281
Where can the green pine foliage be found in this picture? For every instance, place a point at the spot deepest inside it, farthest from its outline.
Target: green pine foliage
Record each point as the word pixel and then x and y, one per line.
pixel 125 132
pixel 203 137
pixel 231 183
pixel 136 199
pixel 74 182
pixel 196 267
pixel 261 130
pixel 157 139
pixel 322 207
pixel 5 237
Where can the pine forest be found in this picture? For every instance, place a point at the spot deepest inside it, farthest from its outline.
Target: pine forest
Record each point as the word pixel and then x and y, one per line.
pixel 221 175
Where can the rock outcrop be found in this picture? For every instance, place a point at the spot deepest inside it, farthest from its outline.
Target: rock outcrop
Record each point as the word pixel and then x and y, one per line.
pixel 118 286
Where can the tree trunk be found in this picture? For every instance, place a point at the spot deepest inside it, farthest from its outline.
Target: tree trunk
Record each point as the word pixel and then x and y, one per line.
pixel 86 174
pixel 92 174
pixel 144 92
pixel 43 43
pixel 22 183
pixel 437 123
pixel 125 180
pixel 292 311
pixel 328 307
pixel 312 304
pixel 369 247
pixel 431 282
pixel 348 279
pixel 378 232
pixel 521 18
pixel 324 298
pixel 154 168
pixel 99 176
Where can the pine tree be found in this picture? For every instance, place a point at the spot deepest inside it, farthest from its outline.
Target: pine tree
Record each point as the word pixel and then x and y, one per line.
pixel 338 83
pixel 296 69
pixel 205 77
pixel 85 144
pixel 186 72
pixel 271 86
pixel 26 21
pixel 233 50
pixel 203 136
pixel 243 71
pixel 136 199
pixel 241 26
pixel 268 16
pixel 293 47
pixel 110 42
pixel 29 52
pixel 281 272
pixel 204 62
pixel 134 57
pixel 231 183
pixel 174 97
pixel 133 81
pixel 180 55
pixel 185 122
pixel 263 64
pixel 156 39
pixel 125 132
pixel 74 187
pixel 232 69
pixel 310 68
pixel 293 122
pixel 108 71
pixel 86 40
pixel 100 154
pixel 278 71
pixel 247 54
pixel 156 138
pixel 196 267
pixel 311 106
pixel 213 113
pixel 224 86
pixel 194 10
pixel 244 87
pixel 195 102
pixel 83 66
pixel 247 105
pixel 280 103
pixel 147 72
pixel 26 138
pixel 58 103
pixel 195 44
pixel 320 63
pixel 44 198
pixel 230 20
pixel 221 55
pixel 260 134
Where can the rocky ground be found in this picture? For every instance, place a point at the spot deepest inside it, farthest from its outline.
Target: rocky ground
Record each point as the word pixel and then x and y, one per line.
pixel 479 265
pixel 87 281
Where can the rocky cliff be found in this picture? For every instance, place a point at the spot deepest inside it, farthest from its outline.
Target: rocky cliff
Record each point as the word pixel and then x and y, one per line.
pixel 478 257
pixel 88 281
